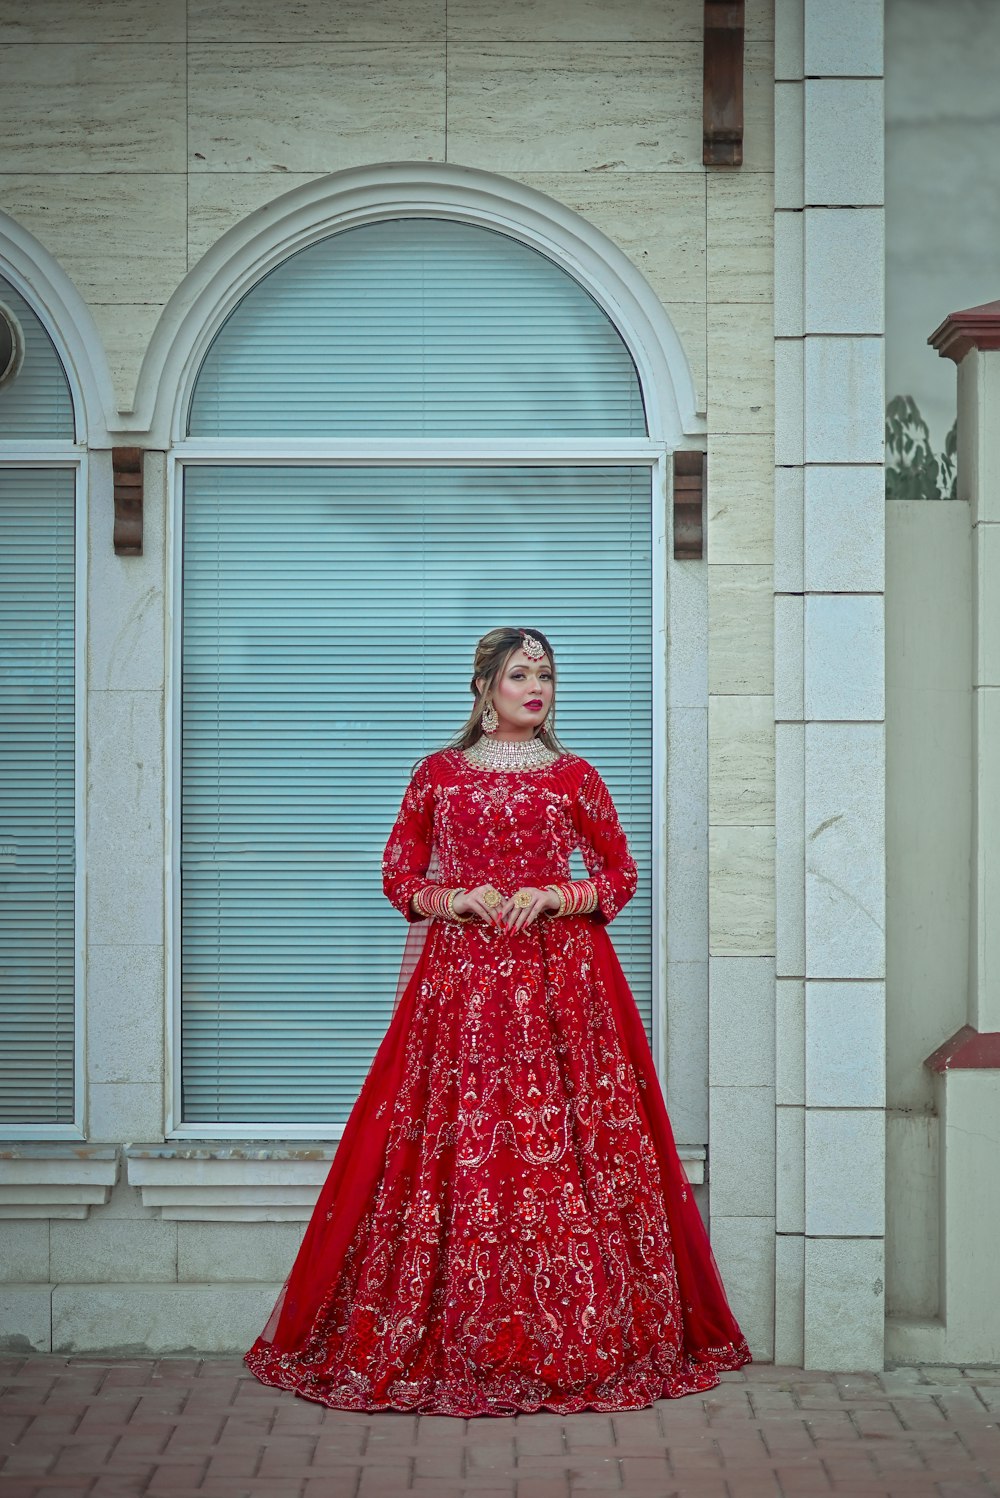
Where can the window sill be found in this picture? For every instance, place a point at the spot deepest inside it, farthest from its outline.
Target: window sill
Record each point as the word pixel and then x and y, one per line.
pixel 58 1178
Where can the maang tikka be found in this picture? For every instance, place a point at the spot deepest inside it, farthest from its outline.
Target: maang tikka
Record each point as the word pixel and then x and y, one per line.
pixel 533 649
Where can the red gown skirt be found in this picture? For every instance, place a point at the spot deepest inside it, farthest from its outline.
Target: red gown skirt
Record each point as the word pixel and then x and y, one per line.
pixel 506 1225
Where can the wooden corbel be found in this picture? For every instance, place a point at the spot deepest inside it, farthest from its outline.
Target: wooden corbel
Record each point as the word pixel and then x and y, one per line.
pixel 723 83
pixel 689 506
pixel 126 463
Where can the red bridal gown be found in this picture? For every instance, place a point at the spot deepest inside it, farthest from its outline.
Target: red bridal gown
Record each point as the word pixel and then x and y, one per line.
pixel 506 1225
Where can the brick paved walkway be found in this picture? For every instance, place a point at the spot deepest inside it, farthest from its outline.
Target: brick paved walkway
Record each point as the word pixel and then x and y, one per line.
pixel 169 1427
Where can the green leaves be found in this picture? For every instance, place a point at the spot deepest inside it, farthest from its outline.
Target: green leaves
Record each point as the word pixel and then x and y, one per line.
pixel 912 470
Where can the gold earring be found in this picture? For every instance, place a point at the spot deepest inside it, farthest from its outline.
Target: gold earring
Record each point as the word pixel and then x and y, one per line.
pixel 489 720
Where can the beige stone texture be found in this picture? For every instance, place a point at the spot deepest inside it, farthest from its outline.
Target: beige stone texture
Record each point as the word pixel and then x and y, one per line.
pixel 575 106
pixel 740 235
pixel 113 1249
pixel 218 201
pixel 150 22
pixel 790 1023
pixel 741 1021
pixel 790 1169
pixel 25 1318
pixel 209 1251
pixel 740 367
pixel 789 530
pixel 366 102
pixel 744 1248
pixel 741 759
pixel 125 330
pixel 741 1151
pixel 844 1303
pixel 789 1287
pixel 740 507
pixel 92 108
pixel 741 891
pixel 151 1319
pixel 316 21
pixel 24 1251
pixel 741 628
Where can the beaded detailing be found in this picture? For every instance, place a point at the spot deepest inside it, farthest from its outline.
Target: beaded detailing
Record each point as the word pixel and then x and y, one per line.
pixel 506 754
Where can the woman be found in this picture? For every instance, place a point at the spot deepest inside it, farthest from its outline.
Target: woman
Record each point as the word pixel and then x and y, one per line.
pixel 506 1225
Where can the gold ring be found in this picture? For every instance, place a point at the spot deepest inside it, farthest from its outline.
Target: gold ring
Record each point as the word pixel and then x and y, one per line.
pixel 491 898
pixel 523 898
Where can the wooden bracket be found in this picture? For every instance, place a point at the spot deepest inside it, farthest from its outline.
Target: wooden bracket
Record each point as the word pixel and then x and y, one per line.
pixel 689 505
pixel 126 463
pixel 723 83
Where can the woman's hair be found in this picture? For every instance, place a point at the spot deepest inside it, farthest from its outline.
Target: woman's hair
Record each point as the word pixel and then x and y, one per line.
pixel 492 654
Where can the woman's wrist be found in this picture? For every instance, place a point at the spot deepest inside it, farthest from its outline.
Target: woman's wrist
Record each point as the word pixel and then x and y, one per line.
pixel 576 897
pixel 437 902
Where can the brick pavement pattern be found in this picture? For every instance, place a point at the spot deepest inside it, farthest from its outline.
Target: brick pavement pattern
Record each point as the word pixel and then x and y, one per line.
pixel 169 1427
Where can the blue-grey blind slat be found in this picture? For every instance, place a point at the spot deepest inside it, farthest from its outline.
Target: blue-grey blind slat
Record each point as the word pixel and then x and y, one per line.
pixel 418 327
pixel 328 627
pixel 36 404
pixel 37 759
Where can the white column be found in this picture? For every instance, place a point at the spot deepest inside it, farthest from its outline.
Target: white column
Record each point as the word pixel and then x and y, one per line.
pixel 829 692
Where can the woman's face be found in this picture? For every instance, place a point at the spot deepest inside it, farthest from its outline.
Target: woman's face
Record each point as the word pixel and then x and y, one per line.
pixel 523 695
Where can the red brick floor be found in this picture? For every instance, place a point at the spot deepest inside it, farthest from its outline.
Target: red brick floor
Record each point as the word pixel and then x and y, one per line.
pixel 169 1427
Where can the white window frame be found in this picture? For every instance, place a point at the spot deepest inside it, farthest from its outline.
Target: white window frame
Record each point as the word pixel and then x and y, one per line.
pixel 305 452
pixel 68 455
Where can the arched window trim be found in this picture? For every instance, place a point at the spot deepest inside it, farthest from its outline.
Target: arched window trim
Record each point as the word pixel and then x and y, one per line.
pixel 239 260
pixel 52 298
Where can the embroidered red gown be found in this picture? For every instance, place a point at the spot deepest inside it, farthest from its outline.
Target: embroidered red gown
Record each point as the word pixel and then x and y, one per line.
pixel 506 1225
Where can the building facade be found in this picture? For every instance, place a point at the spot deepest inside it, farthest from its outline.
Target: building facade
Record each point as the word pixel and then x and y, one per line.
pixel 317 313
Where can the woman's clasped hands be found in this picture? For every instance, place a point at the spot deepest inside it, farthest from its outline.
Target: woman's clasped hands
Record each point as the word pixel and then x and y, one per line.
pixel 516 912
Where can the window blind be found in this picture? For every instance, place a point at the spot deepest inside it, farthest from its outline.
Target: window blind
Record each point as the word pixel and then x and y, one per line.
pixel 329 621
pixel 36 795
pixel 418 327
pixel 37 403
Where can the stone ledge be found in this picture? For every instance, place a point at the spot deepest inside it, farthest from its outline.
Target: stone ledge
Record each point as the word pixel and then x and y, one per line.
pixel 216 1180
pixel 55 1179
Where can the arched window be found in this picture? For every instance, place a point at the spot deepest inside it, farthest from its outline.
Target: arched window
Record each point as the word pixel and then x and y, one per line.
pixel 405 434
pixel 38 488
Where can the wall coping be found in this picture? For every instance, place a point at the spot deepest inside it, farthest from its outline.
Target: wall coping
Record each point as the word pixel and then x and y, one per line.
pixel 967 1050
pixel 972 328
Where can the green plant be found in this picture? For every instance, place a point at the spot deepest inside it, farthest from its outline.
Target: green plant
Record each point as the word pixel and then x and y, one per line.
pixel 912 470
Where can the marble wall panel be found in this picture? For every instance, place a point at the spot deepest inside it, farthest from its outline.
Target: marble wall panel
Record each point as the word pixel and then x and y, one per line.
pixel 845 841
pixel 126 1110
pixel 125 329
pixel 99 1249
pixel 741 1021
pixel 126 619
pixel 741 367
pixel 844 40
pixel 740 233
pixel 842 628
pixel 758 107
pixel 125 1003
pixel 217 201
pixel 741 891
pixel 93 21
pixel 657 218
pixel 235 1250
pixel 844 520
pixel 119 236
pixel 687 1049
pixel 844 1303
pixel 790 850
pixel 789 1289
pixel 744 1248
pixel 844 400
pixel 844 141
pixel 575 21
pixel 740 504
pixel 584 106
pixel 845 1172
pixel 789 530
pixel 314 108
pixel 687 632
pixel 741 1151
pixel 789 400
pixel 845 1045
pixel 790 1030
pixel 741 759
pixel 24 1251
pixel 789 25
pixel 789 150
pixel 789 656
pixel 789 274
pixel 316 21
pixel 92 108
pixel 687 833
pixel 790 1174
pixel 741 628
pixel 844 270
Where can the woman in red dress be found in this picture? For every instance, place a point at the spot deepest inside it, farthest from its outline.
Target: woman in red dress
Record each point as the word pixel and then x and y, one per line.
pixel 506 1225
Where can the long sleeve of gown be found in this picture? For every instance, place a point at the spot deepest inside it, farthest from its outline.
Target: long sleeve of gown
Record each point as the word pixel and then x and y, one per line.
pixel 604 847
pixel 408 852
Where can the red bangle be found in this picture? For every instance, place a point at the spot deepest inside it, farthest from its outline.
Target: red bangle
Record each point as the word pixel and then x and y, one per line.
pixel 576 896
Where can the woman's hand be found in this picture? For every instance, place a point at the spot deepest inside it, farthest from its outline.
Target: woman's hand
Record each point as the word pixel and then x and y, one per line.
pixel 472 902
pixel 519 911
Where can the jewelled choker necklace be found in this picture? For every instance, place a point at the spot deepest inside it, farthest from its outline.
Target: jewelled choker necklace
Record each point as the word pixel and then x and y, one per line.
pixel 504 754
